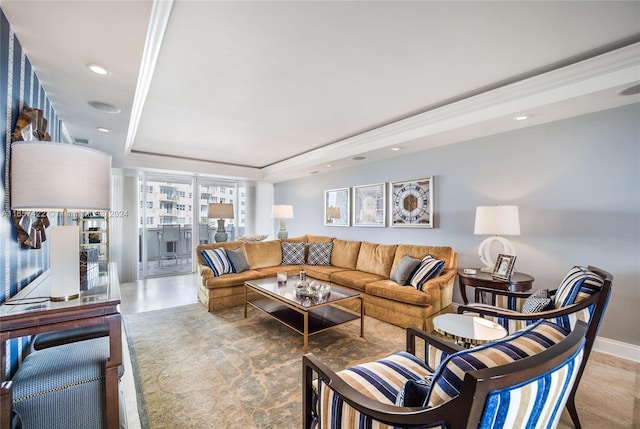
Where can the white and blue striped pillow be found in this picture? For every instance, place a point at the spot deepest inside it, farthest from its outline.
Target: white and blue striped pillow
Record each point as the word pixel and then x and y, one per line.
pixel 428 269
pixel 579 284
pixel 218 261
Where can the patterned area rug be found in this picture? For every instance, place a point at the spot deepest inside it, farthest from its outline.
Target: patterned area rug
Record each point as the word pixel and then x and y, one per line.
pixel 195 369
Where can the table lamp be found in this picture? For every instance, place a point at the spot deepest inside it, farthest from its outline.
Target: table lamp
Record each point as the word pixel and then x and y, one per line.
pixel 59 177
pixel 282 212
pixel 221 211
pixel 496 221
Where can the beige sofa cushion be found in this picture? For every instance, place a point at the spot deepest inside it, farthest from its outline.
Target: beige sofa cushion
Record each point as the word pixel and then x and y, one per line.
pixel 319 239
pixel 357 280
pixel 345 253
pixel 232 279
pixel 442 253
pixel 391 290
pixel 376 258
pixel 262 254
pixel 322 272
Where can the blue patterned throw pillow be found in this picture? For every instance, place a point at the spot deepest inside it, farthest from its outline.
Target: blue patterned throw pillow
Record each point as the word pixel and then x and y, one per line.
pixel 292 253
pixel 537 301
pixel 320 253
pixel 218 261
pixel 428 269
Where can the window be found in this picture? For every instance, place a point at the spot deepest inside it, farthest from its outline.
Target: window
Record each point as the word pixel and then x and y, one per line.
pixel 222 189
pixel 149 189
pixel 150 220
pixel 222 200
pixel 203 208
pixel 180 207
pixel 182 194
pixel 149 204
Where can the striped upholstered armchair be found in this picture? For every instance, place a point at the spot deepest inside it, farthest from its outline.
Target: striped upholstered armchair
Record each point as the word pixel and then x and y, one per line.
pixel 520 381
pixel 582 295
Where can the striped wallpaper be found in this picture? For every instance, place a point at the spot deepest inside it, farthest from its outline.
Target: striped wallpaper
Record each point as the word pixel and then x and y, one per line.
pixel 19 87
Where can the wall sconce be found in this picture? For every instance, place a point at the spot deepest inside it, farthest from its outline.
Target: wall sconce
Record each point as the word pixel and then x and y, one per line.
pixel 221 211
pixel 59 177
pixel 282 212
pixel 496 221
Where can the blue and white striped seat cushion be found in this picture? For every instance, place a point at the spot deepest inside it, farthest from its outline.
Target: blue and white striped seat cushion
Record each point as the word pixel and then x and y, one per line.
pixel 447 380
pixel 578 284
pixel 380 380
pixel 428 269
pixel 218 261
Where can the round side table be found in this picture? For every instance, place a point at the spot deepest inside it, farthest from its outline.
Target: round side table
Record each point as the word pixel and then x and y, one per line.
pixel 520 282
pixel 468 330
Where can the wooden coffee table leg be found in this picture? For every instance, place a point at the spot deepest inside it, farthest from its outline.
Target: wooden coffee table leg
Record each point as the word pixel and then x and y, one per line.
pixel 305 348
pixel 245 301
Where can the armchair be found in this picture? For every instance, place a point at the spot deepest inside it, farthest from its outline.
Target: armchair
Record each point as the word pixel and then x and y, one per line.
pixel 582 295
pixel 489 386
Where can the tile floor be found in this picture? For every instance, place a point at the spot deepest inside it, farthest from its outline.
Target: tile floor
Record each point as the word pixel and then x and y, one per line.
pixel 610 383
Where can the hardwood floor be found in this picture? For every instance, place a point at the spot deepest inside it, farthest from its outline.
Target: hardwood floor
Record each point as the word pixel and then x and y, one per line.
pixel 608 396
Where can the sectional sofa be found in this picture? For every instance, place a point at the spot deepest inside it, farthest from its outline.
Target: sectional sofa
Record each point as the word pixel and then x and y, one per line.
pixel 359 265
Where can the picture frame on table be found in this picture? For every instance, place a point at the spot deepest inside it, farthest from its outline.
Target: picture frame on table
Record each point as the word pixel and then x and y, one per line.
pixel 369 205
pixel 504 267
pixel 337 205
pixel 411 203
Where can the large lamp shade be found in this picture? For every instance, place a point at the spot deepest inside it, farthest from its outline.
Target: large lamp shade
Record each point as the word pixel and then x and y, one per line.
pixel 496 221
pixel 49 177
pixel 282 212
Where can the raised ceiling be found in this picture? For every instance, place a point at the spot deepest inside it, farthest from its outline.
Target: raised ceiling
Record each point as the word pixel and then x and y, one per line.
pixel 277 90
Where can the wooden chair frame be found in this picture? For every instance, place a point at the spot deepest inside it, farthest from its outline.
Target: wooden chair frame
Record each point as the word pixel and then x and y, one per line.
pixel 463 411
pixel 598 299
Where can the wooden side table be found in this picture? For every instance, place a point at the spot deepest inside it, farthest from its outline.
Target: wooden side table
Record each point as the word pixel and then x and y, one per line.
pixel 520 282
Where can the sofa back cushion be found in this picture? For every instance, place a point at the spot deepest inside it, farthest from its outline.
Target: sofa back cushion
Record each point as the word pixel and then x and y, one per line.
pixel 345 253
pixel 443 253
pixel 224 245
pixel 319 239
pixel 262 254
pixel 376 258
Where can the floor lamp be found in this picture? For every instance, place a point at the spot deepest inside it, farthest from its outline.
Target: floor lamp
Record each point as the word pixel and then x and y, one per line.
pixel 60 177
pixel 496 221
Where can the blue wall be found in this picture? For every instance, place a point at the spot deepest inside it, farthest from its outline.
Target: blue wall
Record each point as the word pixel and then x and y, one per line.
pixel 19 87
pixel 576 182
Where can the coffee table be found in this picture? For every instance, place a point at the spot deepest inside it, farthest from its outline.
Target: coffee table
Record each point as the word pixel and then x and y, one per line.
pixel 307 316
pixel 468 330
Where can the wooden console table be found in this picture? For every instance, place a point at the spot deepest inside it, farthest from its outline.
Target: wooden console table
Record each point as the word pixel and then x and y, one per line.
pixel 96 306
pixel 520 282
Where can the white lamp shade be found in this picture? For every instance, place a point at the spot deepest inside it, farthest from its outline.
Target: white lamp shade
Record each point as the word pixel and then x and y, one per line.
pixel 282 212
pixel 497 220
pixel 49 176
pixel 220 211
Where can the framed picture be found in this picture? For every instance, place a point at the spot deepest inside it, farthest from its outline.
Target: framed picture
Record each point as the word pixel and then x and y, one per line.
pixel 369 205
pixel 411 203
pixel 504 267
pixel 337 206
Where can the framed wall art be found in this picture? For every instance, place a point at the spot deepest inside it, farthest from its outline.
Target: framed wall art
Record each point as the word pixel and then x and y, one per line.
pixel 411 203
pixel 369 205
pixel 337 205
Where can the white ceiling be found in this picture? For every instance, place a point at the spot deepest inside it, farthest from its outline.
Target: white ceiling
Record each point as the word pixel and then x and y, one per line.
pixel 277 90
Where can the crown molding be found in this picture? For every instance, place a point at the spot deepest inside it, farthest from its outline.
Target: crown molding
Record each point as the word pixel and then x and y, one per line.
pixel 606 71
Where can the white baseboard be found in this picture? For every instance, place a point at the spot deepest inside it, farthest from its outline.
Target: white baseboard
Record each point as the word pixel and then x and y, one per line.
pixel 617 348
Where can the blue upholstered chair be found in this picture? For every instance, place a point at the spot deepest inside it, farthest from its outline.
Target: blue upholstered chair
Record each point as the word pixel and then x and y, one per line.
pixel 582 295
pixel 520 381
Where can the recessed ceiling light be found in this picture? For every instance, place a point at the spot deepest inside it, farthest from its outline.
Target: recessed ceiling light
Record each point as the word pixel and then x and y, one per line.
pixel 98 69
pixel 104 107
pixel 358 158
pixel 104 130
pixel 520 118
pixel 395 148
pixel 314 172
pixel 632 90
pixel 329 165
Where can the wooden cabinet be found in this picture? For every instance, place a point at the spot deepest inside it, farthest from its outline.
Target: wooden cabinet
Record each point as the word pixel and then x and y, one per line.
pixel 94 238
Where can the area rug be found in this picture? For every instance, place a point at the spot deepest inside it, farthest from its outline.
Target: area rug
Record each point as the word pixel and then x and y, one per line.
pixel 195 369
